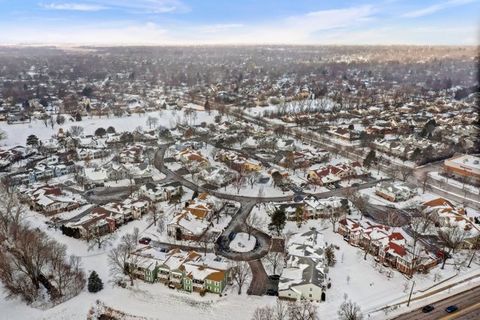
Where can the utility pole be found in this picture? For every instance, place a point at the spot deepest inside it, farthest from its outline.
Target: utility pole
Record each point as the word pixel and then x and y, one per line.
pixel 410 295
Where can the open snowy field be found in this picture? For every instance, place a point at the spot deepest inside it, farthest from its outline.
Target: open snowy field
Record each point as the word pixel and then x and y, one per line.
pixel 17 133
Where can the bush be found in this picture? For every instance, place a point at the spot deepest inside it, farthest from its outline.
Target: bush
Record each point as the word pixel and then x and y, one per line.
pixel 95 284
pixel 100 132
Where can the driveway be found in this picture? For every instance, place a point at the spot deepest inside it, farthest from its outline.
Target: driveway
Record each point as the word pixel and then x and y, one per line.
pixel 260 282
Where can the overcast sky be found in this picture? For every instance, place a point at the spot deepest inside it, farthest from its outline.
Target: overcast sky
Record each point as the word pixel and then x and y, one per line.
pixel 150 22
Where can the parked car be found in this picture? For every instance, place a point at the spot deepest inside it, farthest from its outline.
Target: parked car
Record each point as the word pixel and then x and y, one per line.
pixel 274 277
pixel 451 309
pixel 428 308
pixel 145 240
pixel 298 198
pixel 355 184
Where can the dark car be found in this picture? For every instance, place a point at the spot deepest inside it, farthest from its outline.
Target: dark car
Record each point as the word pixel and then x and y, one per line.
pixel 428 308
pixel 355 184
pixel 271 292
pixel 451 309
pixel 145 240
pixel 274 277
pixel 298 198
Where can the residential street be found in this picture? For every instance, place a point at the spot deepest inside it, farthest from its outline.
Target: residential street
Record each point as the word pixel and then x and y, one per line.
pixel 445 190
pixel 247 203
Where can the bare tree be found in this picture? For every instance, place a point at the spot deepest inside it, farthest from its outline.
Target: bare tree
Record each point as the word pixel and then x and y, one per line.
pixel 121 259
pixel 424 178
pixel 275 260
pixel 207 239
pixel 11 213
pixel 360 202
pixel 334 217
pixel 475 246
pixel 152 122
pixel 302 310
pixel 3 135
pixel 264 313
pixel 240 274
pixel 391 218
pixel 277 312
pixel 98 240
pixel 252 178
pixel 75 131
pixel 451 238
pixel 154 214
pixel 349 311
pixel 405 172
pixel 253 221
pixel 161 222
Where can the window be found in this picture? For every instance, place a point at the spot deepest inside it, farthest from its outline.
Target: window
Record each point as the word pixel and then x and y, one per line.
pixel 311 289
pixel 310 295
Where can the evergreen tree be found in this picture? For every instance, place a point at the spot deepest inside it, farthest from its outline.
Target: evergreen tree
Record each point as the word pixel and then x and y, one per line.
pixel 416 154
pixel 369 159
pixel 278 220
pixel 32 140
pixel 95 284
pixel 330 256
pixel 100 132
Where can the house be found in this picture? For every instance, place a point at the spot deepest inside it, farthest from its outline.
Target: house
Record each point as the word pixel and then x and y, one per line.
pixel 184 270
pixel 107 218
pixel 445 214
pixel 463 167
pixel 51 200
pixel 394 191
pixel 98 222
pixel 157 192
pixel 193 158
pixel 345 133
pixel 315 208
pixel 390 246
pixel 305 272
pixel 217 176
pixel 193 221
pixel 132 154
pixel 335 173
pixel 91 153
pixel 236 161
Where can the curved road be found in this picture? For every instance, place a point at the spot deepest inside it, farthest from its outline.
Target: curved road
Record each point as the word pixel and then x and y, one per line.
pixel 259 281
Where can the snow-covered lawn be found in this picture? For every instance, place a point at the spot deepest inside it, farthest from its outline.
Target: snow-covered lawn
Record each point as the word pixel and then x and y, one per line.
pixel 454 183
pixel 366 282
pixel 242 243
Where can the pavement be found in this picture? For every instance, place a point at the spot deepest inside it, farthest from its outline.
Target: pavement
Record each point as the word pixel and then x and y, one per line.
pixel 260 281
pixel 468 303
